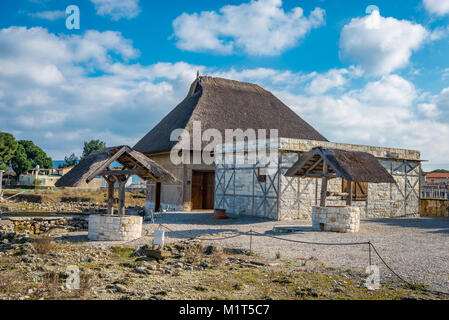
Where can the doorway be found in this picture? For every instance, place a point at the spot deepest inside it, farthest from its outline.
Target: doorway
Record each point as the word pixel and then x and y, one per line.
pixel 203 189
pixel 157 204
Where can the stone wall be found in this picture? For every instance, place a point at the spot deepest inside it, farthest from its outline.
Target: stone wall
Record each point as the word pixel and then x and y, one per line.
pixel 434 208
pixel 336 219
pixel 114 228
pixel 42 225
pixel 281 198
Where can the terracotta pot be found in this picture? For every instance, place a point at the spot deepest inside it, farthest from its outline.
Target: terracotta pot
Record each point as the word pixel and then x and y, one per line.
pixel 220 214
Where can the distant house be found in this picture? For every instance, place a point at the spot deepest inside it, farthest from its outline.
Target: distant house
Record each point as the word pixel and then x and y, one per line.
pixel 48 178
pixel 436 178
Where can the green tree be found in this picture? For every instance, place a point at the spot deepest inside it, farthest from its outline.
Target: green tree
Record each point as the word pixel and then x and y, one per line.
pixel 70 161
pixel 8 147
pixel 20 162
pixel 36 155
pixel 92 146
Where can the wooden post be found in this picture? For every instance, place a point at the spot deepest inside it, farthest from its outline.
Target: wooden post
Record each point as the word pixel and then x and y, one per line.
pixel 111 182
pixel 349 192
pixel 324 186
pixel 121 194
pixel 147 199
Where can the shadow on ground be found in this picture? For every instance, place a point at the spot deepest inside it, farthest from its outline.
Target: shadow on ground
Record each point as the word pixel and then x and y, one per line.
pixel 204 218
pixel 432 225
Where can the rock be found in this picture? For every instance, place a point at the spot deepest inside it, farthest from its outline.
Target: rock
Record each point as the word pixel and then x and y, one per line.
pixel 178 265
pixel 117 287
pixel 204 264
pixel 141 270
pixel 210 250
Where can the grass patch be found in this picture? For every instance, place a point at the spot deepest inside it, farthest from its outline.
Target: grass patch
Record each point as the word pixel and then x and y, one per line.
pixel 122 253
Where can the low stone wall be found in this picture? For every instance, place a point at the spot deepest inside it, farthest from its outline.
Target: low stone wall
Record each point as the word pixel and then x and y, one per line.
pixel 434 208
pixel 114 228
pixel 336 219
pixel 42 225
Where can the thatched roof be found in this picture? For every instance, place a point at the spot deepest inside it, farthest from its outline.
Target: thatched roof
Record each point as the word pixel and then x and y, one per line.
pixel 227 104
pixel 97 163
pixel 351 165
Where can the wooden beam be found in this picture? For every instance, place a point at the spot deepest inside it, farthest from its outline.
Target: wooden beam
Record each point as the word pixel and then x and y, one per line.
pixel 324 186
pixel 121 194
pixel 319 175
pixel 111 182
pixel 314 166
pixel 297 166
pixel 123 172
pixel 100 171
pixel 349 192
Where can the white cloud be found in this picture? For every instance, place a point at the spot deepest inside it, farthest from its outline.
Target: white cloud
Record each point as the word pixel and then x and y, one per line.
pixel 60 90
pixel 386 113
pixel 117 9
pixel 49 15
pixel 80 87
pixel 334 78
pixel 380 45
pixel 260 27
pixel 438 7
pixel 429 110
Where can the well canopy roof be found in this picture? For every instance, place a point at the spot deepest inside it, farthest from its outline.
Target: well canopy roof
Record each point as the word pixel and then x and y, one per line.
pixel 227 104
pixel 351 165
pixel 98 163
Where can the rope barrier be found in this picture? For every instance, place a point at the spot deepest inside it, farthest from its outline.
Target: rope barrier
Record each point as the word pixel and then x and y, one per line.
pixel 402 279
pixel 205 239
pixel 369 243
pixel 314 243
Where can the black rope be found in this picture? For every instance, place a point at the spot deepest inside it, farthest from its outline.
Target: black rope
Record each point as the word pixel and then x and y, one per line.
pixel 314 243
pixel 369 243
pixel 403 280
pixel 205 239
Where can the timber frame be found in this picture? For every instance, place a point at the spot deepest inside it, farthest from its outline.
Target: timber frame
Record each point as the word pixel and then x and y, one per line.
pixel 99 164
pixel 333 163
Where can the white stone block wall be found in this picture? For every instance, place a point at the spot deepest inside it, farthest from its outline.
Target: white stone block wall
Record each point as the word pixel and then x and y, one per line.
pixel 114 228
pixel 336 219
pixel 283 198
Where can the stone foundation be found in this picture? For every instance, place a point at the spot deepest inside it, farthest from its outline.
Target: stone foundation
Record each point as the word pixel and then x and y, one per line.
pixel 336 219
pixel 114 228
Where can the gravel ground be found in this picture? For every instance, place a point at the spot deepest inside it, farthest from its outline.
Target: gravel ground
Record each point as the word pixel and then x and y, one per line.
pixel 416 248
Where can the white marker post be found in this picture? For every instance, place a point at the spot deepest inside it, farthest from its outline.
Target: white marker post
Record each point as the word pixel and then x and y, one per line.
pixel 158 238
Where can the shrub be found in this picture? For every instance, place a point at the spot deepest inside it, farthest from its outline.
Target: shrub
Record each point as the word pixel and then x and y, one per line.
pixel 44 245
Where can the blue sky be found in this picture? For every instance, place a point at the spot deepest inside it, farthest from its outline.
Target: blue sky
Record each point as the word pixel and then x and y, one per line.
pixel 380 78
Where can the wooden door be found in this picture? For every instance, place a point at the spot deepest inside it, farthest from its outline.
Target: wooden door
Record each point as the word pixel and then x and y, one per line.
pixel 197 190
pixel 208 190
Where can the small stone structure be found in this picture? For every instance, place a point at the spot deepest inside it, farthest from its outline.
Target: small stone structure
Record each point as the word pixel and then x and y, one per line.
pixel 114 228
pixel 336 219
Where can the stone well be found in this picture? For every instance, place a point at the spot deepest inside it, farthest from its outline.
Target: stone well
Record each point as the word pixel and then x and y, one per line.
pixel 114 228
pixel 336 219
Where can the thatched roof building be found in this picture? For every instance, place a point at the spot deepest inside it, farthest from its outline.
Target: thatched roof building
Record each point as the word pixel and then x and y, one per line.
pixel 98 164
pixel 227 104
pixel 351 165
